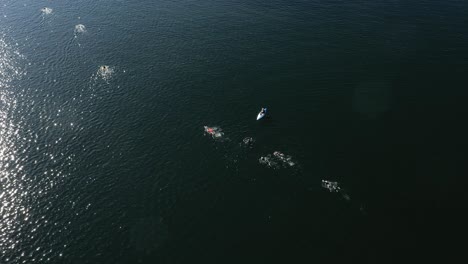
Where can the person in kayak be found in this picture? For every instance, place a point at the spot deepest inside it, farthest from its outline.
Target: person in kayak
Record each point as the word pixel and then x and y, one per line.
pixel 263 111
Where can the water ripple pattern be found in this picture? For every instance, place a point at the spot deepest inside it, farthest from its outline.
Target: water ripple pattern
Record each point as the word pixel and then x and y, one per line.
pixel 102 153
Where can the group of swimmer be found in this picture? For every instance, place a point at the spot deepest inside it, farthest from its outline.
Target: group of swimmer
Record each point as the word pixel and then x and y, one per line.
pixel 276 160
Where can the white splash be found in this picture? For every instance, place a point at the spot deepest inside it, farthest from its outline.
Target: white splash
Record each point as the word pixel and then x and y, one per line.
pixel 215 132
pixel 105 72
pixel 335 187
pixel 46 10
pixel 80 28
pixel 331 186
pixel 248 141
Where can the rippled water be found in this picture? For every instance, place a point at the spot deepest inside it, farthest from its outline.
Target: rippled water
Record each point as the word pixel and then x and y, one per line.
pixel 105 157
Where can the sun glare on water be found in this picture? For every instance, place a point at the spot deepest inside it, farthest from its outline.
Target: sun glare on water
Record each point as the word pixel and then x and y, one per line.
pixel 13 209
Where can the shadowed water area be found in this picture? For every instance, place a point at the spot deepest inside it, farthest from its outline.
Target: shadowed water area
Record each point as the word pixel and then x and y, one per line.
pixel 106 152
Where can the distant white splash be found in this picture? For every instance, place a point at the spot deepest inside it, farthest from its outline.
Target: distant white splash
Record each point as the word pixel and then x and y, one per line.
pixel 277 160
pixel 331 186
pixel 268 161
pixel 248 142
pixel 335 187
pixel 46 11
pixel 80 28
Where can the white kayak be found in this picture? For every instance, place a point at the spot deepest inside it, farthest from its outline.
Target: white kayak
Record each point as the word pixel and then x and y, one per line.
pixel 261 114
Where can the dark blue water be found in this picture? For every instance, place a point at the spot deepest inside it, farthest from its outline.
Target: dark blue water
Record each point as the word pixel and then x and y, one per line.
pixel 111 165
